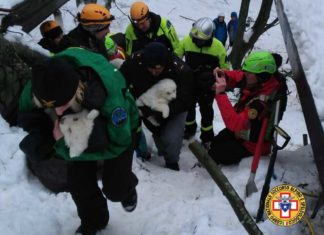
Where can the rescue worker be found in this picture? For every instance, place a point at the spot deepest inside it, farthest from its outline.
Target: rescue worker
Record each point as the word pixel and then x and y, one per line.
pixel 146 27
pixel 52 36
pixel 94 22
pixel 146 68
pixel 61 85
pixel 113 50
pixel 203 53
pixel 243 122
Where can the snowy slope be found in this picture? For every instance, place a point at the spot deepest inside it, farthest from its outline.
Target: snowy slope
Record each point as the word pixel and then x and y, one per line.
pixel 170 203
pixel 308 34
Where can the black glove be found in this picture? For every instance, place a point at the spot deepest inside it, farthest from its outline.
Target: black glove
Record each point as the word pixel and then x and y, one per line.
pixel 155 117
pixel 35 119
pixel 153 120
pixel 37 146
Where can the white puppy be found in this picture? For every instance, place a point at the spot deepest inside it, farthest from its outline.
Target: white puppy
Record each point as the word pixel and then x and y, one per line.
pixel 76 129
pixel 159 96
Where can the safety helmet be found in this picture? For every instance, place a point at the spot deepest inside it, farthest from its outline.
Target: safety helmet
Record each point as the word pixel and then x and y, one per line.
pixel 202 29
pixel 260 62
pixel 48 26
pixel 139 11
pixel 50 29
pixel 93 13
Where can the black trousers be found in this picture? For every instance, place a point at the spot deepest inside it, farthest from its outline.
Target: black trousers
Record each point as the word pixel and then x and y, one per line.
pixel 118 183
pixel 226 149
pixel 205 102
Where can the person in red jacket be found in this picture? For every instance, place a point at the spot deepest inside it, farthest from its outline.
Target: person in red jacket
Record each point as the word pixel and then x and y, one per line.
pixel 243 122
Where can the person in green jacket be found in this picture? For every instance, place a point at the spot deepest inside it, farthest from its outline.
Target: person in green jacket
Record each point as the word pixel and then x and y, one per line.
pixel 147 27
pixel 71 81
pixel 202 52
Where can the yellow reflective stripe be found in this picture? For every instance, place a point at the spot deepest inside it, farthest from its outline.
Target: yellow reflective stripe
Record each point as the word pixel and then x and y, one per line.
pixel 191 122
pixel 208 128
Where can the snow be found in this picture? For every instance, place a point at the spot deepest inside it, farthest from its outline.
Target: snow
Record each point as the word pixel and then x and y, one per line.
pixel 9 4
pixel 307 33
pixel 185 202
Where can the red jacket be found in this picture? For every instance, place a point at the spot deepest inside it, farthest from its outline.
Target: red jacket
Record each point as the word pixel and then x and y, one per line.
pixel 245 119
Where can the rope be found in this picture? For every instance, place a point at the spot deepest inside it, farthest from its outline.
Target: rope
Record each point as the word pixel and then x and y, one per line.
pixel 309 225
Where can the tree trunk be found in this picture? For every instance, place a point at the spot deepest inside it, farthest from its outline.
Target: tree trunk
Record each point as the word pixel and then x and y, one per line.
pixel 16 60
pixel 240 47
pixel 236 52
pixel 226 187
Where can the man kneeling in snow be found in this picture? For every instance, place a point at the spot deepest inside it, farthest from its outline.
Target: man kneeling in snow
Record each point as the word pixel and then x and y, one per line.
pixel 259 82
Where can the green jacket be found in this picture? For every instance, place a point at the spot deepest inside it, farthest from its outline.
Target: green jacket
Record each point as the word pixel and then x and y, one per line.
pixel 119 107
pixel 161 30
pixel 212 56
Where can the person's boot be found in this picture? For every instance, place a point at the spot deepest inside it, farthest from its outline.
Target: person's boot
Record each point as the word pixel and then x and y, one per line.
pixel 190 131
pixel 87 231
pixel 130 203
pixel 206 136
pixel 172 166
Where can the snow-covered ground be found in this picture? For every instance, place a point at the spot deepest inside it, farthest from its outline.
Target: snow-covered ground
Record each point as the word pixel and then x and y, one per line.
pixel 185 202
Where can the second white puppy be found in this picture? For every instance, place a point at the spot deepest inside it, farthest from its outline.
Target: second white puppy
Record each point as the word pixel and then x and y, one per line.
pixel 159 96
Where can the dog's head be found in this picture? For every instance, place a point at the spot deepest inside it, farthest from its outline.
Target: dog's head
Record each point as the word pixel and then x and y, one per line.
pixel 167 89
pixel 75 123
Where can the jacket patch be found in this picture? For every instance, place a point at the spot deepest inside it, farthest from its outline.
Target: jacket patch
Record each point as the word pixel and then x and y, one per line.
pixel 119 117
pixel 253 113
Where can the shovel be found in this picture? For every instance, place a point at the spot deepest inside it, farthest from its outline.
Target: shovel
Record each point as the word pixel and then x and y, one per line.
pixel 250 185
pixel 266 186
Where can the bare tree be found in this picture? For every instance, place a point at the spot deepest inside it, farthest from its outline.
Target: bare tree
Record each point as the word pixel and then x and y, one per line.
pixel 78 2
pixel 241 47
pixel 107 2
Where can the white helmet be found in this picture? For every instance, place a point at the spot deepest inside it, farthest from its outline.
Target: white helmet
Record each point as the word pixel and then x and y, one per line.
pixel 203 29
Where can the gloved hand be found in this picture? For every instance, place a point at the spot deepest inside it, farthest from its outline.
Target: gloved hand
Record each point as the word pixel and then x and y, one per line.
pixel 150 115
pixel 153 120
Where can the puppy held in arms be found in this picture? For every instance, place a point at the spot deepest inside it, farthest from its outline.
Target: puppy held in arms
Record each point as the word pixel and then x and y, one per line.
pixel 158 98
pixel 76 129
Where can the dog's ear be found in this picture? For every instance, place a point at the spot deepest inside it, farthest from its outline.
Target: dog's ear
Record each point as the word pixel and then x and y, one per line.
pixel 93 114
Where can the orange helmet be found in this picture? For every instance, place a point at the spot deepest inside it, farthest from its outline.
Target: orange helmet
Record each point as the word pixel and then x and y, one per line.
pixel 139 11
pixel 93 13
pixel 48 26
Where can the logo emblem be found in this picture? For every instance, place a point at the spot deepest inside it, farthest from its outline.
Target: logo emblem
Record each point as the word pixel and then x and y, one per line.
pixel 285 205
pixel 119 117
pixel 253 113
pixel 48 104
